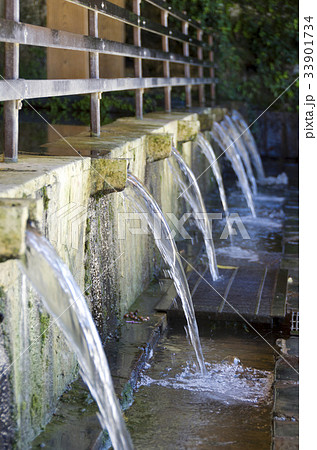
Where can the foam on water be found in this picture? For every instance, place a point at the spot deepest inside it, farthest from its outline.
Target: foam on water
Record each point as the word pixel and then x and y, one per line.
pixel 280 179
pixel 225 382
pixel 238 253
pixel 266 222
pixel 269 198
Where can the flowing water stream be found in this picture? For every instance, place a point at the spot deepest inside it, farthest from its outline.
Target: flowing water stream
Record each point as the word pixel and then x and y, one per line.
pixel 243 152
pixel 220 135
pixel 250 143
pixel 64 300
pixel 145 203
pixel 191 192
pixel 206 147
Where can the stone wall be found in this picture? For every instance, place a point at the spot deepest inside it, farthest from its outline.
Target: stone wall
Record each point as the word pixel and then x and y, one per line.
pixel 83 224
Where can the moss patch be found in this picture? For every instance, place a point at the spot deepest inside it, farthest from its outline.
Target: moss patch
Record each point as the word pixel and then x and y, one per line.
pixel 108 175
pixel 44 325
pixel 187 130
pixel 46 199
pixel 159 146
pixel 126 396
pixel 35 406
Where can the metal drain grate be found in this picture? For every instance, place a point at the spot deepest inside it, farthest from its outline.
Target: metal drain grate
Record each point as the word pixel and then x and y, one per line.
pixel 295 322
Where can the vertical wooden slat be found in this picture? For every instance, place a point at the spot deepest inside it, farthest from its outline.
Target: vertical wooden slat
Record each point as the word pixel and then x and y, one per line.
pixel 166 64
pixel 212 70
pixel 201 89
pixel 138 62
pixel 188 89
pixel 11 72
pixel 94 73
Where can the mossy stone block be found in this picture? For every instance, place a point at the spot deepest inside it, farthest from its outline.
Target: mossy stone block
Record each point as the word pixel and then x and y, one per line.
pixel 158 146
pixel 13 219
pixel 187 130
pixel 206 121
pixel 108 175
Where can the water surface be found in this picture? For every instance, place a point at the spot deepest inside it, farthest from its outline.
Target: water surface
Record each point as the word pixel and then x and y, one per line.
pixel 230 407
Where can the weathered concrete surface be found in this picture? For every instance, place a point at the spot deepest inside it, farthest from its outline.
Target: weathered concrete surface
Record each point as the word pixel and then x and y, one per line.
pixel 42 365
pixel 91 235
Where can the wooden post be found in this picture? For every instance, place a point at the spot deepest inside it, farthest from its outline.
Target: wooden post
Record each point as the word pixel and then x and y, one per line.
pixel 212 71
pixel 94 73
pixel 201 89
pixel 188 88
pixel 11 72
pixel 166 64
pixel 138 62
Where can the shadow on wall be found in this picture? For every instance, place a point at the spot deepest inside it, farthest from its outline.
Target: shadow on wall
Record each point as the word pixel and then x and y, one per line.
pixel 277 134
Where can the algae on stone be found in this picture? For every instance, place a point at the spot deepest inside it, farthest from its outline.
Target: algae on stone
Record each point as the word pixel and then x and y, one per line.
pixel 108 175
pixel 187 130
pixel 159 146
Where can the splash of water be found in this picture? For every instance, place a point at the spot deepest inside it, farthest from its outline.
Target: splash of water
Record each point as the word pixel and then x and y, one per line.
pixel 144 202
pixel 63 299
pixel 191 192
pixel 227 146
pixel 243 152
pixel 208 151
pixel 225 382
pixel 250 143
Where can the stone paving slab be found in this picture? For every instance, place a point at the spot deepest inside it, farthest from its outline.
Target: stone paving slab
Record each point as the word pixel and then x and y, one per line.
pixel 283 429
pixel 286 398
pixel 256 293
pixel 286 443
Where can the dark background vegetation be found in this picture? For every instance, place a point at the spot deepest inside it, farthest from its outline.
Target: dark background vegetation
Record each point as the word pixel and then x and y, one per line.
pixel 256 52
pixel 256 47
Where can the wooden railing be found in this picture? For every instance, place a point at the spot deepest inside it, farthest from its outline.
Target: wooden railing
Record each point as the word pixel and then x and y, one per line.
pixel 15 33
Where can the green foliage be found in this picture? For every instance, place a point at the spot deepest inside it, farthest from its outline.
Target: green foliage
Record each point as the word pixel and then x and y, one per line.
pixel 32 62
pixel 256 48
pixel 111 104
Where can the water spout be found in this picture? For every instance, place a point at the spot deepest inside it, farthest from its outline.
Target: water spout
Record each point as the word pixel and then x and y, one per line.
pixel 63 299
pixel 243 152
pixel 191 192
pixel 250 143
pixel 145 203
pixel 205 146
pixel 227 146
